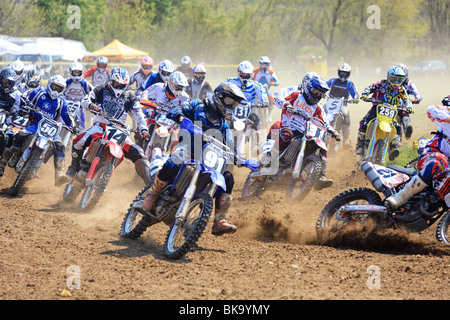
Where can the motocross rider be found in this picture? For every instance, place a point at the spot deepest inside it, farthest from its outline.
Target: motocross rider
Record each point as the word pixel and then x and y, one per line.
pixel 411 89
pixel 77 89
pixel 99 73
pixel 54 106
pixel 145 70
pixel 433 164
pixel 307 101
pixel 211 113
pixel 252 90
pixel 18 67
pixel 266 76
pixel 341 87
pixel 392 92
pixel 185 67
pixel 32 82
pixel 9 101
pixel 198 87
pixel 113 99
pixel 165 96
pixel 165 69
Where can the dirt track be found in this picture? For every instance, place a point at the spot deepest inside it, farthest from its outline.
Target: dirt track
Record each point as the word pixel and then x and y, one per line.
pixel 274 255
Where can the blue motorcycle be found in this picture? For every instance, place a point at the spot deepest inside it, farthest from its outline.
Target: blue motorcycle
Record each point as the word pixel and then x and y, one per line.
pixel 187 203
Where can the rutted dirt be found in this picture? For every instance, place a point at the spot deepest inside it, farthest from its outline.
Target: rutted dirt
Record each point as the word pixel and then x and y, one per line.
pixel 274 255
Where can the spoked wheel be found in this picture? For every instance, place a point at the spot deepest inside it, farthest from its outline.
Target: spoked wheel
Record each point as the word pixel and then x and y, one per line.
pixel 297 189
pixel 93 192
pixel 331 216
pixel 412 164
pixel 442 230
pixel 135 223
pixel 180 239
pixel 253 187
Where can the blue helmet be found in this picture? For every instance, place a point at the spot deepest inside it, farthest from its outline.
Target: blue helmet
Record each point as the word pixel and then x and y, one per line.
pixel 396 76
pixel 316 89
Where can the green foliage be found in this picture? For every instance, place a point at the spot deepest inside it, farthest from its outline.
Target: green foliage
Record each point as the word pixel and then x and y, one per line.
pixel 226 31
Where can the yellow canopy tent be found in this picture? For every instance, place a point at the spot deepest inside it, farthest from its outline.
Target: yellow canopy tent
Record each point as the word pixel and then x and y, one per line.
pixel 116 51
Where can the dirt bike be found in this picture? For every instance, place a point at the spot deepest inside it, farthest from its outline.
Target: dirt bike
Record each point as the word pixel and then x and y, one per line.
pixel 359 205
pixel 186 204
pixel 38 148
pixel 100 159
pixel 161 142
pixel 421 143
pixel 336 110
pixel 379 133
pixel 73 107
pixel 241 125
pixel 301 162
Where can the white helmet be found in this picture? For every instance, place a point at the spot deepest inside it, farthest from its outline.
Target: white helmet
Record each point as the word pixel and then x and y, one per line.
pixel 264 63
pixel 306 79
pixel 177 82
pixel 76 71
pixel 55 86
pixel 186 61
pixel 245 70
pixel 18 67
pixel 119 79
pixel 165 69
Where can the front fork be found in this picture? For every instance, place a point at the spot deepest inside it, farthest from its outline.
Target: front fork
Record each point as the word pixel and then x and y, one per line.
pixel 299 161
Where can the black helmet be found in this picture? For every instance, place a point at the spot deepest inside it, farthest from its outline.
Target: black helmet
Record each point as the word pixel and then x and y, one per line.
pixel 33 78
pixel 7 79
pixel 227 96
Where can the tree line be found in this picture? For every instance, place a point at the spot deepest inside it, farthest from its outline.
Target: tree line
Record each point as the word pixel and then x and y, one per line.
pixel 228 31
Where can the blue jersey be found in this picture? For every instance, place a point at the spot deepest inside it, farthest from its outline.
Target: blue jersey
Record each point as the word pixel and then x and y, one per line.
pixel 51 108
pixel 342 89
pixel 253 91
pixel 152 79
pixel 196 112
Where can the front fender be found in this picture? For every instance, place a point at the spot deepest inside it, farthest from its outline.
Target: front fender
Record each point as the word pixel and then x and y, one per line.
pixel 115 150
pixel 42 143
pixel 217 178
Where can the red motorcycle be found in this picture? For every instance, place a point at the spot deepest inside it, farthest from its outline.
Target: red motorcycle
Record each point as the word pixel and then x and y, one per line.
pixel 100 159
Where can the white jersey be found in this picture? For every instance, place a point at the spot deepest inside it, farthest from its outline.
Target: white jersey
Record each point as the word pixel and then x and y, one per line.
pixel 157 93
pixel 437 114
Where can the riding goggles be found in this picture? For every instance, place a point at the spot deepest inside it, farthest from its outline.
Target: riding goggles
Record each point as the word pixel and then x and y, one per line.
pixel 396 80
pixel 8 83
pixel 56 88
pixel 166 73
pixel 230 102
pixel 117 85
pixel 245 76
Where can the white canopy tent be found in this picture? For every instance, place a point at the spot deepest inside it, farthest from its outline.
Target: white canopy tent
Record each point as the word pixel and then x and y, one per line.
pixel 7 47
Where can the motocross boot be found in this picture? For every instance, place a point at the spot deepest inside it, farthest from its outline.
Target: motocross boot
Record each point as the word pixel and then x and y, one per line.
pixel 323 182
pixel 142 167
pixel 7 154
pixel 153 194
pixel 394 149
pixel 412 187
pixel 360 143
pixel 15 157
pixel 408 127
pixel 221 226
pixel 60 177
pixel 76 162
